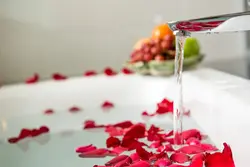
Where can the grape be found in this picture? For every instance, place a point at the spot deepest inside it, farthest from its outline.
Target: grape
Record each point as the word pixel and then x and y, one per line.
pixel 145 49
pixel 148 57
pixel 155 50
pixel 159 58
pixel 137 56
pixel 165 45
pixel 168 38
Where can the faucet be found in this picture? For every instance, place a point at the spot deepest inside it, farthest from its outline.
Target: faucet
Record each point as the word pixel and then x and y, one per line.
pixel 234 22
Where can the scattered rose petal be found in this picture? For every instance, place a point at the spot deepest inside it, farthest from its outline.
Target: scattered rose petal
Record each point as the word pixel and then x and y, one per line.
pixel 224 159
pixel 164 107
pixel 140 164
pixel 58 77
pixel 191 133
pixel 74 109
pixel 118 150
pixel 113 131
pixel 117 159
pixel 13 140
pixel 135 157
pixel 131 144
pixel 127 71
pixel 136 131
pixel 33 79
pixel 49 112
pixel 124 124
pixel 179 157
pixel 90 73
pixel 113 142
pixel 193 141
pixel 155 144
pixel 109 71
pixel 90 124
pixel 198 156
pixel 208 147
pixel 197 162
pixel 191 149
pixel 162 162
pixel 100 152
pixel 107 105
pixel 145 113
pixel 143 154
pixel 87 148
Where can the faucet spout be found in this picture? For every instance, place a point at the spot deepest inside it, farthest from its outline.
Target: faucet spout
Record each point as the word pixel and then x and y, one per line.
pixel 234 22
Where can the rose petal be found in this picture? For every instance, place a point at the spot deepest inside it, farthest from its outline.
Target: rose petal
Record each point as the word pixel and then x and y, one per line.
pixel 13 140
pixel 191 149
pixel 90 124
pixel 44 129
pixel 165 106
pixel 197 162
pixel 116 160
pixel 135 157
pixel 145 113
pixel 100 152
pixel 208 147
pixel 24 133
pixel 118 150
pixel 193 141
pixel 179 157
pixel 112 142
pixel 155 144
pixel 142 153
pixel 90 73
pixel 136 131
pixel 131 144
pixel 33 79
pixel 109 71
pixel 58 77
pixel 191 133
pixel 87 148
pixel 113 131
pixel 198 156
pixel 49 112
pixel 140 164
pixel 107 105
pixel 162 162
pixel 74 109
pixel 124 124
pixel 127 71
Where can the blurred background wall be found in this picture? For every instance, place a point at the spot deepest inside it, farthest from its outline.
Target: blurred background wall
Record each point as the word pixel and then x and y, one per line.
pixel 71 36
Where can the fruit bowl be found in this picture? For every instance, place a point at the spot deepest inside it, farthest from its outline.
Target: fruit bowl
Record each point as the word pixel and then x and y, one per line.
pixel 163 68
pixel 155 55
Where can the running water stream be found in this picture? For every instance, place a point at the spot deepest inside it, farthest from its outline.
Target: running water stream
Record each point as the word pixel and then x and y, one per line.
pixel 178 101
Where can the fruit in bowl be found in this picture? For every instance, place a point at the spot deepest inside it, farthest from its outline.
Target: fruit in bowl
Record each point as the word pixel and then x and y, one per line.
pixel 155 55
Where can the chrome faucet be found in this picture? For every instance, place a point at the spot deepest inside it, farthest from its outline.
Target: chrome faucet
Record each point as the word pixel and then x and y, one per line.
pixel 234 22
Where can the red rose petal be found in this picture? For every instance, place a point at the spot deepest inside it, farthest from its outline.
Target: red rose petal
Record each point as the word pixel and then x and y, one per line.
pixel 118 150
pixel 113 142
pixel 143 154
pixel 107 105
pixel 135 157
pixel 162 162
pixel 13 140
pixel 136 131
pixel 197 162
pixel 58 77
pixel 224 159
pixel 90 73
pixel 176 165
pixel 74 109
pixel 193 141
pixel 169 148
pixel 49 112
pixel 165 106
pixel 109 71
pixel 117 159
pixel 208 147
pixel 35 132
pixel 170 133
pixel 140 164
pixel 179 157
pixel 90 124
pixel 100 152
pixel 87 148
pixel 127 71
pixel 198 156
pixel 131 143
pixel 191 149
pixel 145 113
pixel 24 133
pixel 191 133
pixel 33 79
pixel 124 124
pixel 113 131
pixel 155 144
pixel 44 129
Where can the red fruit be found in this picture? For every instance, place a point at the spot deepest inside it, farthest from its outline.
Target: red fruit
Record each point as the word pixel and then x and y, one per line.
pixel 159 58
pixel 166 45
pixel 155 50
pixel 147 57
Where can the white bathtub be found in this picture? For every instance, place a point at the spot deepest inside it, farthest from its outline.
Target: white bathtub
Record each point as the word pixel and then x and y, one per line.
pixel 219 105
